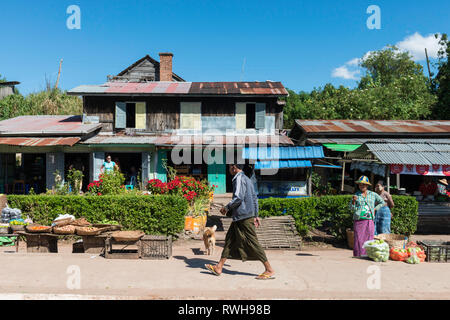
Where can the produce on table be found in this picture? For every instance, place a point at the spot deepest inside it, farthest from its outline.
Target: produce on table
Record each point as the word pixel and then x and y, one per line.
pixel 38 228
pixel 87 228
pixel 80 222
pixel 377 250
pixel 18 223
pixel 67 228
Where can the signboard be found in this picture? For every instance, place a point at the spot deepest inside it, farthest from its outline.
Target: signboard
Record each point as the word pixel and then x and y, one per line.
pixel 422 170
pixel 282 188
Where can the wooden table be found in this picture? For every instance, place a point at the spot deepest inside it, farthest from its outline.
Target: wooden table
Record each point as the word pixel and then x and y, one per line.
pixel 40 242
pixel 124 251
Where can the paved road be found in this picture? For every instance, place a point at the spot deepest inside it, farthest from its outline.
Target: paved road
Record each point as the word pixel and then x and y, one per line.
pixel 310 274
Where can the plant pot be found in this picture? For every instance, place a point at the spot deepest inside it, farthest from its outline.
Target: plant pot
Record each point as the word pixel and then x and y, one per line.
pixel 350 238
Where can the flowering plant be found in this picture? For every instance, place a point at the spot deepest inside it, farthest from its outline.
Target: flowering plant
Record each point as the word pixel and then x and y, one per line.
pixel 108 183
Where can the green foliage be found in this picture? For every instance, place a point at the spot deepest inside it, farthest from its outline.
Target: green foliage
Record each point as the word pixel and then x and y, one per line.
pixel 162 214
pixel 442 80
pixel 334 212
pixel 109 183
pixel 393 87
pixel 49 102
pixel 74 179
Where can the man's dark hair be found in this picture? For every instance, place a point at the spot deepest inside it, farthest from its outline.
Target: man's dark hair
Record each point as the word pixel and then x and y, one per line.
pixel 239 166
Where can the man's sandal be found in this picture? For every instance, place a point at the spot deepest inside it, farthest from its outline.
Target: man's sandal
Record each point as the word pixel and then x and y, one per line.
pixel 264 276
pixel 211 268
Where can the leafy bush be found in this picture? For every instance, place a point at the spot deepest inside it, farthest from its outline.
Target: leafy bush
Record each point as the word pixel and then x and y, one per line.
pixel 162 214
pixel 110 183
pixel 334 211
pixel 187 187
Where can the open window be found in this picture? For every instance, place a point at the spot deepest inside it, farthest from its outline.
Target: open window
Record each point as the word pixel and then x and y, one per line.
pixel 130 115
pixel 250 115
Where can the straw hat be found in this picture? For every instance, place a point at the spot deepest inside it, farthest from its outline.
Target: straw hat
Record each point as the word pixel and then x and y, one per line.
pixel 363 180
pixel 443 181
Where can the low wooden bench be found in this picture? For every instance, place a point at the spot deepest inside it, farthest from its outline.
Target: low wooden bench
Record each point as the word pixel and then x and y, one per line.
pixel 40 242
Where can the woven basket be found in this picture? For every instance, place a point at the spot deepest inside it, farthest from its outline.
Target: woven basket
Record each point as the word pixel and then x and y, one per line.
pixel 4 230
pixel 63 222
pixel 16 228
pixel 59 230
pixel 350 238
pixel 127 235
pixel 393 240
pixel 82 222
pixel 83 232
pixel 108 227
pixel 47 229
pixel 3 201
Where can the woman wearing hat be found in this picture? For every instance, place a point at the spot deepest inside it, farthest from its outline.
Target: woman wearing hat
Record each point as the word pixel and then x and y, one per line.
pixel 363 205
pixel 442 187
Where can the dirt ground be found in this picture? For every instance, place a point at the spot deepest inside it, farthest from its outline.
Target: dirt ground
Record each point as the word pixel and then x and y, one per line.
pixel 319 271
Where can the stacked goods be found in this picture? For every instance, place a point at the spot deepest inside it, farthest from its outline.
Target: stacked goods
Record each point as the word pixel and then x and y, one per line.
pixel 81 222
pixel 9 214
pixel 62 220
pixel 377 250
pixel 4 228
pixel 18 225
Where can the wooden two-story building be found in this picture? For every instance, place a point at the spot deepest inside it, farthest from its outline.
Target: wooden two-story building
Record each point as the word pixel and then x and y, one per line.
pixel 147 116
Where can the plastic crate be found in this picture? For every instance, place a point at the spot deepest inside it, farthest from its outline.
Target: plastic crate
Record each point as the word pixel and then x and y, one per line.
pixel 436 251
pixel 155 247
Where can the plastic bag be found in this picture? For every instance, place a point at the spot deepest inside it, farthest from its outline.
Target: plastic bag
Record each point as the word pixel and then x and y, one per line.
pixel 398 254
pixel 413 258
pixel 377 250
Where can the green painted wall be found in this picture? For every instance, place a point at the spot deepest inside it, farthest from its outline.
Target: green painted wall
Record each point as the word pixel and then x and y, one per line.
pixel 217 175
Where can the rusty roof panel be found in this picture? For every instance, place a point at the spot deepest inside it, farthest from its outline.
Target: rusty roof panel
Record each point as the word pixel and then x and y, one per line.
pixel 39 142
pixel 375 126
pixel 184 88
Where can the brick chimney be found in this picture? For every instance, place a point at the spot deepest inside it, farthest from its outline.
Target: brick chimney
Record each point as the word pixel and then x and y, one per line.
pixel 165 66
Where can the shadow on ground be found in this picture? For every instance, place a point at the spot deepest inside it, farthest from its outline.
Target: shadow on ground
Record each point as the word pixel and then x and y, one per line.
pixel 199 263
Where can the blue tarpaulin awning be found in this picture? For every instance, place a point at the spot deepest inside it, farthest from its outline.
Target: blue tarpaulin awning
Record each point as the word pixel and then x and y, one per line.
pixel 282 164
pixel 282 153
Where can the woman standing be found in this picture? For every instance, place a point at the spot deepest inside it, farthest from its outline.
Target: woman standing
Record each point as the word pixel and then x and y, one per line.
pixel 383 215
pixel 363 205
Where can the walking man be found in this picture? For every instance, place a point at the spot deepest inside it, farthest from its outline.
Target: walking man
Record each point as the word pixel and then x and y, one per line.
pixel 241 242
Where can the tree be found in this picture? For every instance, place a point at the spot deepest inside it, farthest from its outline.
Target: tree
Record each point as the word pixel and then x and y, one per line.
pixel 441 83
pixel 393 87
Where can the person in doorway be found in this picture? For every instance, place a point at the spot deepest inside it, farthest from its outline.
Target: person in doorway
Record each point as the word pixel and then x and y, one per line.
pixel 364 204
pixel 428 187
pixel 78 165
pixel 241 242
pixel 383 216
pixel 108 166
pixel 132 177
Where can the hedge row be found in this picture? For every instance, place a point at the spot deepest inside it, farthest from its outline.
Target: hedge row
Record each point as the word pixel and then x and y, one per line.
pixel 334 212
pixel 151 214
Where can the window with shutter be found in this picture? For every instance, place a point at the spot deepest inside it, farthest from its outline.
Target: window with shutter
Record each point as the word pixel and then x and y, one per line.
pixel 121 115
pixel 241 115
pixel 260 118
pixel 190 115
pixel 141 115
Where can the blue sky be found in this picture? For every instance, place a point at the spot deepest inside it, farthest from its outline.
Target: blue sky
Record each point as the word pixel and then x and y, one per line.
pixel 301 43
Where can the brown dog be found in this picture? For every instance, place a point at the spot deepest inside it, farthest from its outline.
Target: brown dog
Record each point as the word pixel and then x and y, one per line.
pixel 209 238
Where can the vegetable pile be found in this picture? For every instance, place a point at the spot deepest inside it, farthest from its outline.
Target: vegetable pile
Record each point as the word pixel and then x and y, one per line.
pixel 398 254
pixel 18 223
pixel 377 250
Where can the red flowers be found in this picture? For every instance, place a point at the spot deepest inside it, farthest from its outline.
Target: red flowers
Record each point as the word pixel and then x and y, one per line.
pixel 187 187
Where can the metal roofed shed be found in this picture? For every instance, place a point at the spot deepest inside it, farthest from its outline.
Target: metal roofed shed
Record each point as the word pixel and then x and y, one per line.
pixel 37 126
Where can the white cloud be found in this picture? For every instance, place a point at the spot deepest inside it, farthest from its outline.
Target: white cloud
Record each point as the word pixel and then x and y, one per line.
pixel 353 62
pixel 416 44
pixel 345 73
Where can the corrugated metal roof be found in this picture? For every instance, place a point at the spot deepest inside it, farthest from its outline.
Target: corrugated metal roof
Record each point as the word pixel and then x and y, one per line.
pixel 39 142
pixel 46 125
pixel 181 140
pixel 282 153
pixel 364 140
pixel 184 88
pixel 375 126
pixel 405 153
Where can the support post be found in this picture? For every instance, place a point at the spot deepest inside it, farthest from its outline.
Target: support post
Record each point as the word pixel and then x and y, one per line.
pixel 310 183
pixel 388 179
pixel 398 181
pixel 343 175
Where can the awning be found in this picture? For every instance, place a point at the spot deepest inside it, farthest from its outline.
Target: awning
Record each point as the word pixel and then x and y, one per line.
pixel 282 153
pixel 327 166
pixel 39 142
pixel 342 147
pixel 282 164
